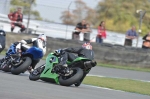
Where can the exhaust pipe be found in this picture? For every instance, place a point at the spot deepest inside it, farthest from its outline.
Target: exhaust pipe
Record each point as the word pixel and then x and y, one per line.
pixel 90 64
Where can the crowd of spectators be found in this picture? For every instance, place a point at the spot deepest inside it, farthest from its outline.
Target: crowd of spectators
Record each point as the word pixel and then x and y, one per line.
pixel 84 28
pixel 130 35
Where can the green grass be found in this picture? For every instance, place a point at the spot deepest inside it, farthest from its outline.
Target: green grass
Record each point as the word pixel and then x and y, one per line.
pixel 125 67
pixel 127 85
pixel 3 52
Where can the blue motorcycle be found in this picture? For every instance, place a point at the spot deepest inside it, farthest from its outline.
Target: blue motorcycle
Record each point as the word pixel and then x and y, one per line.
pixel 9 63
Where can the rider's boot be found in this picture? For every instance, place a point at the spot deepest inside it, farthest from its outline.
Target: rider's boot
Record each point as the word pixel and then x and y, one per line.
pixel 30 69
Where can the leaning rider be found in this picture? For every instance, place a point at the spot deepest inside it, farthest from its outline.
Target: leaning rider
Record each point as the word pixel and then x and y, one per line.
pixel 67 54
pixel 21 46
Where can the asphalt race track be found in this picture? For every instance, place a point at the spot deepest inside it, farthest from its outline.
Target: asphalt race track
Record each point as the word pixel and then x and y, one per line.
pixel 120 73
pixel 20 87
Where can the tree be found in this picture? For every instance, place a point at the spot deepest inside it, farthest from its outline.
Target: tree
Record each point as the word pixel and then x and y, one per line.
pixel 25 4
pixel 67 17
pixel 120 15
pixel 82 11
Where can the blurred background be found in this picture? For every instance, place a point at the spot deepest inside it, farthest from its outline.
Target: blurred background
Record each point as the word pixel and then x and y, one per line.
pixel 58 18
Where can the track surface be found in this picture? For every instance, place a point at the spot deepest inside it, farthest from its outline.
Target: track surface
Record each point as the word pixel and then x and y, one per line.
pixel 20 87
pixel 120 73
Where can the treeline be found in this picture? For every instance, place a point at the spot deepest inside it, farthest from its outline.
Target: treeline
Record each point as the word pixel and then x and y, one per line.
pixel 119 15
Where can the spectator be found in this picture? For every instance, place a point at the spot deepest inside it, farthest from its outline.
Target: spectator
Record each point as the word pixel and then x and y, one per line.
pixel 80 27
pixel 101 32
pixel 130 35
pixel 17 19
pixel 86 35
pixel 146 42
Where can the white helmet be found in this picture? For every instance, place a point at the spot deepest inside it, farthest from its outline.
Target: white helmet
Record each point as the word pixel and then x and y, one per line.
pixel 42 37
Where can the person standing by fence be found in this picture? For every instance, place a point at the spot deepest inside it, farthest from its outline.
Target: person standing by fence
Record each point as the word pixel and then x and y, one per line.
pixel 146 42
pixel 80 27
pixel 86 35
pixel 101 32
pixel 17 19
pixel 130 35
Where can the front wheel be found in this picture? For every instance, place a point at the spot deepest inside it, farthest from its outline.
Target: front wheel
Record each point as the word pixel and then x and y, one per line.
pixel 35 75
pixel 21 68
pixel 71 79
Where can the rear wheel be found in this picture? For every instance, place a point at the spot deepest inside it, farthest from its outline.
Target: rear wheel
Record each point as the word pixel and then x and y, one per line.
pixel 71 79
pixel 77 84
pixel 22 67
pixel 80 81
pixel 0 64
pixel 6 66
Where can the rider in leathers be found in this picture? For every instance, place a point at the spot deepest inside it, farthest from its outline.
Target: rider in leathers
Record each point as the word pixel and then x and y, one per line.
pixel 69 54
pixel 39 42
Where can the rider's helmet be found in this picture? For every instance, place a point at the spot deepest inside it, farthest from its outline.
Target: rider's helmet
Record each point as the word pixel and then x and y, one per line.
pixel 87 45
pixel 42 37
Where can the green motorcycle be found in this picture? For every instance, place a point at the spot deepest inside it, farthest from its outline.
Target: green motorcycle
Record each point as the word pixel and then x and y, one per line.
pixel 74 73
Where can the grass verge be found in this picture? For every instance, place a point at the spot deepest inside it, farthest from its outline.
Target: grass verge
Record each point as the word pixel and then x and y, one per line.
pixel 3 52
pixel 127 85
pixel 125 67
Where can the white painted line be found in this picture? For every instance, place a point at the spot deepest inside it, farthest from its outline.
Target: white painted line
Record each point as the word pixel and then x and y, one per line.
pixel 117 77
pixel 103 88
